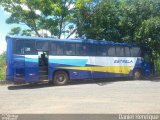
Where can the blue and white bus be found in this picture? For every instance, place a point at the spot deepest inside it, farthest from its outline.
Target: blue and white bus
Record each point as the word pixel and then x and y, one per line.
pixel 32 60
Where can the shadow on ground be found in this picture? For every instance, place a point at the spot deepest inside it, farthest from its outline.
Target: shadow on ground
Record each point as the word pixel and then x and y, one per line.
pixel 100 82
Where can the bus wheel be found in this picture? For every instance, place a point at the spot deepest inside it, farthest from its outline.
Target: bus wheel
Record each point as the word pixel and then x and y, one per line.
pixel 137 75
pixel 60 78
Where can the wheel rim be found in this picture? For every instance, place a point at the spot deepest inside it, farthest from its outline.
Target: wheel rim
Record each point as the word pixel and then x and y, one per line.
pixel 60 77
pixel 137 75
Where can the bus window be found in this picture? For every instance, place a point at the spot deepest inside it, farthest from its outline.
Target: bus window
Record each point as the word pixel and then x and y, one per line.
pixel 101 50
pixel 29 47
pixel 91 50
pixel 19 47
pixel 42 45
pixel 81 49
pixel 119 51
pixel 135 52
pixel 111 51
pixel 60 49
pixel 25 47
pixel 85 49
pixel 70 49
pixel 53 49
pixel 127 52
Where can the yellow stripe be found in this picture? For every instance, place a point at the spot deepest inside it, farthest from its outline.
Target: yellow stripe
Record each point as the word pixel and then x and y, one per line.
pixel 111 69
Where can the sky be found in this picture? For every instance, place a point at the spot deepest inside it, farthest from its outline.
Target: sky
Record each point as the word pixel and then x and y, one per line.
pixel 5 29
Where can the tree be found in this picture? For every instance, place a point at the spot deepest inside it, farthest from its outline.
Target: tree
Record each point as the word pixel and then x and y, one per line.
pixel 131 21
pixel 40 14
pixel 149 34
pixel 132 15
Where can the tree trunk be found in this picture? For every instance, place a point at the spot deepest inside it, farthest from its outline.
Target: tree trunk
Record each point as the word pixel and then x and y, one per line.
pixel 60 27
pixel 71 33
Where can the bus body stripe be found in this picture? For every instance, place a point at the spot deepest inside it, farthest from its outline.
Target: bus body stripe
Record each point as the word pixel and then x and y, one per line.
pixel 110 69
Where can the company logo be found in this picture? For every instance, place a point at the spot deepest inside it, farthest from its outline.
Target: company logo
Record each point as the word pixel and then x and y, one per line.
pixel 123 61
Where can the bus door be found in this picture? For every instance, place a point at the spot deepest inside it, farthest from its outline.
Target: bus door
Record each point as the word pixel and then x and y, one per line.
pixel 43 57
pixel 31 61
pixel 43 65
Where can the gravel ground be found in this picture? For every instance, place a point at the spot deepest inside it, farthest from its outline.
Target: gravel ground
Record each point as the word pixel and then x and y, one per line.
pixel 110 96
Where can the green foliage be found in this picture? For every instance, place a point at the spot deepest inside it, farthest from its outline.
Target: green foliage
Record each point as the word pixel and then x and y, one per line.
pixel 2 66
pixel 149 33
pixel 15 31
pixel 40 14
pixel 18 31
pixel 158 66
pixel 132 21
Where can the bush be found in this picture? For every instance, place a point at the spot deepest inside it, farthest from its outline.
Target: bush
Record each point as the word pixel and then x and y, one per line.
pixel 158 66
pixel 2 66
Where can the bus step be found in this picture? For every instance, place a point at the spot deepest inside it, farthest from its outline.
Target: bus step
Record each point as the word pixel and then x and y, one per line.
pixel 43 68
pixel 43 73
pixel 43 77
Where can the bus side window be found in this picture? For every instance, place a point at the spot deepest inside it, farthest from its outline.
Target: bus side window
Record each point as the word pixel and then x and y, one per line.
pixel 91 50
pixel 111 51
pixel 29 47
pixel 135 52
pixel 101 50
pixel 127 52
pixel 119 51
pixel 42 45
pixel 81 49
pixel 70 49
pixel 60 48
pixel 25 47
pixel 18 47
pixel 53 48
pixel 78 49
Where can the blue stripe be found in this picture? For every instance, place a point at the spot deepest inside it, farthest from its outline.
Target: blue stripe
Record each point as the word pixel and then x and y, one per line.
pixel 73 62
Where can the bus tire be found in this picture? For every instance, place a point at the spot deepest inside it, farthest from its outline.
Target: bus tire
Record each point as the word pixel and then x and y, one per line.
pixel 60 78
pixel 137 74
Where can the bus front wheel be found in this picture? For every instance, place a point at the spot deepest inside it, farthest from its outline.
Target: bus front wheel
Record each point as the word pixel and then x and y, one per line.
pixel 60 78
pixel 137 75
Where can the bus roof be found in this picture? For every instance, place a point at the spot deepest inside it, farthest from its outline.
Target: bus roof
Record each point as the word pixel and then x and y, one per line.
pixel 70 40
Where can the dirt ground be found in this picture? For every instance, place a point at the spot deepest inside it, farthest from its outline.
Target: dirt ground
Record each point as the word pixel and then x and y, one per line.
pixel 109 96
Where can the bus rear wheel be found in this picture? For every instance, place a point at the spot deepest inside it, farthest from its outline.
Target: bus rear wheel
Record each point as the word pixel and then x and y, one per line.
pixel 137 75
pixel 60 78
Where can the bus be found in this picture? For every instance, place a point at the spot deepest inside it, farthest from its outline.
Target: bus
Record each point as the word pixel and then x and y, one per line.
pixel 33 60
